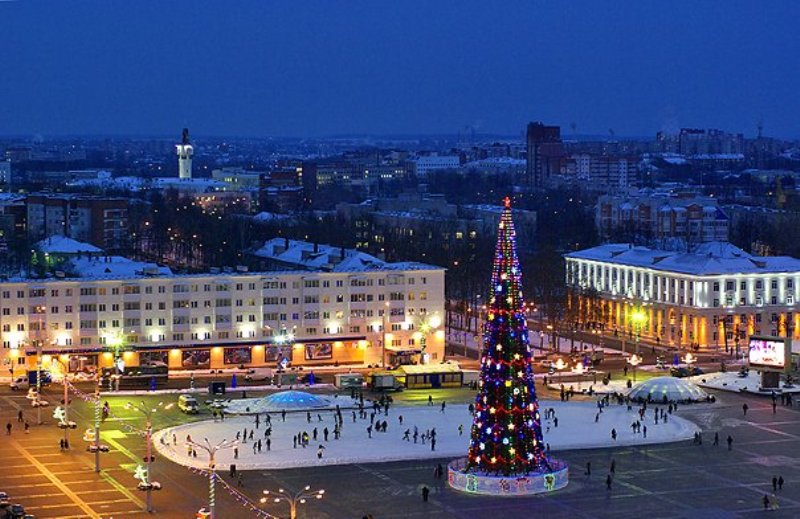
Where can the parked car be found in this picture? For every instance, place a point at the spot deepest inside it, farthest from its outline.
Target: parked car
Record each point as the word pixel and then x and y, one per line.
pixel 4 500
pixel 16 511
pixel 188 404
pixel 683 371
pixel 20 383
pixel 38 402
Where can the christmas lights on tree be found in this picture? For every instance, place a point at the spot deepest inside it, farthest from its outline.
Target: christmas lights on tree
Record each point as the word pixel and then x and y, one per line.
pixel 506 431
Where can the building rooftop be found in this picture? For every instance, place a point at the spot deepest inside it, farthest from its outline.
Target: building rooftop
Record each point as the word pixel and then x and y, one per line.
pixel 59 244
pixel 708 259
pixel 321 257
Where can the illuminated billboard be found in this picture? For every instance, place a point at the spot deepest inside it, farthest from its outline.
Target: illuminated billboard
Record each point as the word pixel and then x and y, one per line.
pixel 769 353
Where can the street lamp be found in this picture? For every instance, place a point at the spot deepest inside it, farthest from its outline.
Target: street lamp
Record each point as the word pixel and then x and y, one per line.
pixel 634 361
pixel 212 467
pixel 385 334
pixel 148 414
pixel 292 499
pixel 638 318
pixel 65 423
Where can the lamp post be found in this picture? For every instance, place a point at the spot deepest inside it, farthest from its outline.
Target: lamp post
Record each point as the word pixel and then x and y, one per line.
pixel 97 421
pixel 148 414
pixel 293 499
pixel 212 467
pixel 385 334
pixel 634 361
pixel 639 317
pixel 40 313
pixel 65 420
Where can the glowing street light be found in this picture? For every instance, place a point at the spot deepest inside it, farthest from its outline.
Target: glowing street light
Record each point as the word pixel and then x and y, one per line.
pixel 634 361
pixel 293 499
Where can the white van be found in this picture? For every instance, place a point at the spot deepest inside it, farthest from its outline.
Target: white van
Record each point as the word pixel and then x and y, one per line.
pixel 188 404
pixel 260 374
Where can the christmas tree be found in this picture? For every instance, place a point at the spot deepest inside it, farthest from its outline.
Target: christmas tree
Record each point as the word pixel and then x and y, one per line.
pixel 506 430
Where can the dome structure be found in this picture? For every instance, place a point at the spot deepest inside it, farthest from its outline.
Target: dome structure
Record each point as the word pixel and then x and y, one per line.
pixel 281 401
pixel 674 389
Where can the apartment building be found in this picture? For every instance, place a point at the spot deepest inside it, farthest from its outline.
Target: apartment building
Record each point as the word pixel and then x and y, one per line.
pixel 98 307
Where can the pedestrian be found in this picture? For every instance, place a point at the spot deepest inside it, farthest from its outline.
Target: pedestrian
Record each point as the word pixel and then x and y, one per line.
pixel 27 427
pixel 430 399
pixel 608 482
pixel 614 434
pixel 613 466
pixel 314 434
pixel 174 439
pixel 460 429
pixel 8 429
pixel 294 442
pixel 19 416
pixel 588 468
pixel 644 431
pixel 320 450
pixel 369 431
pixel 325 434
pixel 780 482
pixel 433 444
pixel 443 405
pixel 426 491
pixel 236 453
pixel 239 480
pixel 555 422
pixel 744 411
pixel 308 417
pixel 233 470
pixel 716 439
pixel 765 500
pixel 730 442
pixel 774 483
pixel 774 407
pixel 251 434
pixel 773 502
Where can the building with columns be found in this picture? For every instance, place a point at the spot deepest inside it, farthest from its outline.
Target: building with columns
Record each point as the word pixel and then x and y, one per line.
pixel 711 298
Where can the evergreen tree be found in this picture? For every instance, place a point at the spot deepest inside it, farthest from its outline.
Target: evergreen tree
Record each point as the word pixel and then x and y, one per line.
pixel 506 430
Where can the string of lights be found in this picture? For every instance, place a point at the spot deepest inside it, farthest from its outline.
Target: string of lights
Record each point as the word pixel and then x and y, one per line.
pixel 506 435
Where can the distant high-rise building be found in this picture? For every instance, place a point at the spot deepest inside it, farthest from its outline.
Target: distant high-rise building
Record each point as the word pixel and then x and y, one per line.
pixel 5 172
pixel 544 153
pixel 185 152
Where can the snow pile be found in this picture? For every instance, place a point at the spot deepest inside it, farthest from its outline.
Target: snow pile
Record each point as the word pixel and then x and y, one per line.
pixel 576 429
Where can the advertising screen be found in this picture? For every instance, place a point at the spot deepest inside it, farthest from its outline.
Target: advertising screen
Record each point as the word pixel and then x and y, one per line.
pixel 767 352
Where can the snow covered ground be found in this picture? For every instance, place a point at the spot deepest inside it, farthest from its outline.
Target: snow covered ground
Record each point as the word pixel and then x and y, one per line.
pixel 731 381
pixel 576 430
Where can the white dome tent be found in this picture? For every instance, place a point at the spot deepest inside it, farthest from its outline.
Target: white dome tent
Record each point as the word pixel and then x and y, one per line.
pixel 672 388
pixel 283 401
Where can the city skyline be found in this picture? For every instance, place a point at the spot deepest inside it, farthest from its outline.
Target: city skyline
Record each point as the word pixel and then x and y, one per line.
pixel 413 69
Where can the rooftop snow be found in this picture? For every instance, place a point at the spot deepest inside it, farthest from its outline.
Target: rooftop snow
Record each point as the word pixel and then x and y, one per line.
pixel 708 259
pixel 59 244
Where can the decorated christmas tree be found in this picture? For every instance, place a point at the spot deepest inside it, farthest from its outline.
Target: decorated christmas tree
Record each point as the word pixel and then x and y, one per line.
pixel 506 430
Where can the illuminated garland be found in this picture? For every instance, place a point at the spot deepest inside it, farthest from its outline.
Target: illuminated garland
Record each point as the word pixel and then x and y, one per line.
pixel 506 436
pixel 238 496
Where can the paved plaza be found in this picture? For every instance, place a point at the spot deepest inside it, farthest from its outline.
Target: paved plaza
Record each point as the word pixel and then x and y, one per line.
pixel 677 480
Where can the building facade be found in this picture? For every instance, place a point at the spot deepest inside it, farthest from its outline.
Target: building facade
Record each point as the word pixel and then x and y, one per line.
pixel 661 217
pixel 544 153
pixel 711 298
pixel 103 222
pixel 144 314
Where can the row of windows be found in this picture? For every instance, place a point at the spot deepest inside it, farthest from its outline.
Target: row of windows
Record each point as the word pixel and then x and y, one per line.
pixel 218 287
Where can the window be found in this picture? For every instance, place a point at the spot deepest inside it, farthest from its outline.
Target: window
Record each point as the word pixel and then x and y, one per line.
pixel 716 286
pixel 774 284
pixel 729 285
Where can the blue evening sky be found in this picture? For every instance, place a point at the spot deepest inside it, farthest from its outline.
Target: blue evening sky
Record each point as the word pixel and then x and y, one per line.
pixel 315 68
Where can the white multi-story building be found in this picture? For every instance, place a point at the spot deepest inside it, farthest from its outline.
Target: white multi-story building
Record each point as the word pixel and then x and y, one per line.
pixel 96 303
pixel 711 298
pixel 422 166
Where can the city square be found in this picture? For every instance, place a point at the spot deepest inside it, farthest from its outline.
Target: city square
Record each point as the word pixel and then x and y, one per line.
pixel 422 259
